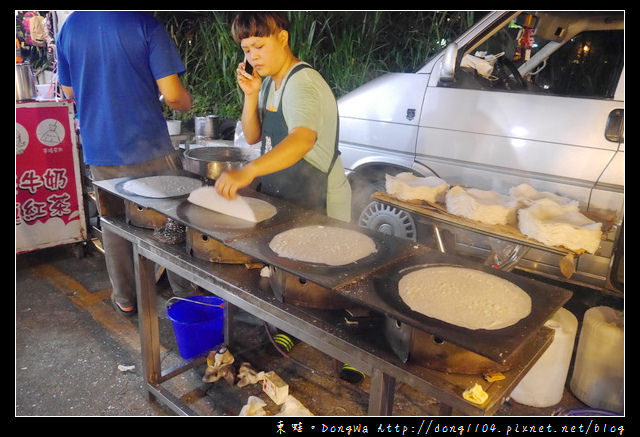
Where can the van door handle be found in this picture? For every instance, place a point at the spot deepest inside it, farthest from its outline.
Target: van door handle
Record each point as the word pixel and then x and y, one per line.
pixel 615 125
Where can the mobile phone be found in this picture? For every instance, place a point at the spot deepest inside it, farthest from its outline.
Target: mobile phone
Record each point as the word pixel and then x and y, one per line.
pixel 248 68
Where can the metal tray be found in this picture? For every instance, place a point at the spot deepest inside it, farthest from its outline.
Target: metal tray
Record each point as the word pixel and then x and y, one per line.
pixel 389 249
pixel 380 292
pixel 119 186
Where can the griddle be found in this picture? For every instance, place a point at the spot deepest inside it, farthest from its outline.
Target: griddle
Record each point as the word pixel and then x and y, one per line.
pixel 371 282
pixel 389 249
pixel 120 186
pixel 218 226
pixel 380 291
pixel 226 228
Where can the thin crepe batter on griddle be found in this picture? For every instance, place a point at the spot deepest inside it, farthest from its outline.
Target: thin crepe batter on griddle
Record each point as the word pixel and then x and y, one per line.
pixel 464 297
pixel 318 244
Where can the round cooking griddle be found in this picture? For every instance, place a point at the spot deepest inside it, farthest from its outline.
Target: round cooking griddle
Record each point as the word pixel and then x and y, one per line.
pixel 498 344
pixel 367 259
pixel 159 186
pixel 388 288
pixel 204 218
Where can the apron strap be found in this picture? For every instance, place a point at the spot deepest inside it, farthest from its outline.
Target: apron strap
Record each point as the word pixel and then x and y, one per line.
pixel 336 151
pixel 267 84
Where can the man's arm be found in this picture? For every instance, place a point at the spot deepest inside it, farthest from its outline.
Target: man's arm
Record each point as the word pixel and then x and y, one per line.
pixel 68 91
pixel 174 93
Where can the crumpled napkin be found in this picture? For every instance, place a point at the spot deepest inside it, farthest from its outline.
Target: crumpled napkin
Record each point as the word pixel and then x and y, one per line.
pixel 254 407
pixel 220 366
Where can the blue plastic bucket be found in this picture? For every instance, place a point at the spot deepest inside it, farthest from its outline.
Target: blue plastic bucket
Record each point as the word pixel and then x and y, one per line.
pixel 197 324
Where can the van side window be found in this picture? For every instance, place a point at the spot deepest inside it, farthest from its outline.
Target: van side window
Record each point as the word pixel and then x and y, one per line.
pixel 589 65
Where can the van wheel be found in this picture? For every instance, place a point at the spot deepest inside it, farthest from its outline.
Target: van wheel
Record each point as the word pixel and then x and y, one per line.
pixel 388 220
pixel 364 184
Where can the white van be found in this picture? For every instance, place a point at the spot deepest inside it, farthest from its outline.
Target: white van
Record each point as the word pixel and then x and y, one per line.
pixel 472 115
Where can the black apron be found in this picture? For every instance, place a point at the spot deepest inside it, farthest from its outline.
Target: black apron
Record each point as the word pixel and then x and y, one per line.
pixel 301 183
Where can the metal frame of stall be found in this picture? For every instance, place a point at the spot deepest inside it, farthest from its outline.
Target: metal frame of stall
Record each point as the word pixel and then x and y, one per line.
pixel 243 291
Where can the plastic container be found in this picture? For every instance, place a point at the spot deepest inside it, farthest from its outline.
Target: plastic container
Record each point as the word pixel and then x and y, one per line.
pixel 25 82
pixel 174 127
pixel 543 385
pixel 198 324
pixel 598 372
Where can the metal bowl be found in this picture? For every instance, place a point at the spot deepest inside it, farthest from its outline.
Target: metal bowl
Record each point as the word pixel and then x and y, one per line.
pixel 211 162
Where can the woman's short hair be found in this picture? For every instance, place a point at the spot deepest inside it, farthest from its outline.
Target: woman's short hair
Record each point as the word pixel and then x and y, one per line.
pixel 258 23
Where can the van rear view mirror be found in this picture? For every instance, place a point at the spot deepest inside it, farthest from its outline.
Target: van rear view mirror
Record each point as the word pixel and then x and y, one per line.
pixel 448 65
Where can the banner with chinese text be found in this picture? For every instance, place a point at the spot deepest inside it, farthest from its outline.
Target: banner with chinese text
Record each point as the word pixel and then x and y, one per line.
pixel 49 207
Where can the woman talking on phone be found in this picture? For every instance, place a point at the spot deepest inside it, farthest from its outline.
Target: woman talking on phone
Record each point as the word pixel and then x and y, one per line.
pixel 291 110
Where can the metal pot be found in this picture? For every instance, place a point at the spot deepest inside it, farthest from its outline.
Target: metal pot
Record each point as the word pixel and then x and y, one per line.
pixel 25 82
pixel 207 127
pixel 210 162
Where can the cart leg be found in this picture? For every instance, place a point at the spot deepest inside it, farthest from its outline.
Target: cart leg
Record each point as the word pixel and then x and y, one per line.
pixel 229 321
pixel 381 394
pixel 147 318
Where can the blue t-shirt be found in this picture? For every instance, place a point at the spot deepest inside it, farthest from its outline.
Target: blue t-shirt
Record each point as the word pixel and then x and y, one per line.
pixel 112 61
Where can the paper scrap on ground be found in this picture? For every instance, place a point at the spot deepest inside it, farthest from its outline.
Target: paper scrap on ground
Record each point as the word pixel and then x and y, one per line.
pixel 248 375
pixel 265 272
pixel 220 366
pixel 254 407
pixel 242 207
pixel 123 368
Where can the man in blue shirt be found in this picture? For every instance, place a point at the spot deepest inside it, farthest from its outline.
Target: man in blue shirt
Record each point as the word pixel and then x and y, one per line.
pixel 115 65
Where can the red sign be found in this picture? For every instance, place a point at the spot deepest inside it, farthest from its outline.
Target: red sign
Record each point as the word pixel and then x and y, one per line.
pixel 47 179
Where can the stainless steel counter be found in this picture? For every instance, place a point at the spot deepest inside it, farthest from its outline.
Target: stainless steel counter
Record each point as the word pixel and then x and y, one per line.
pixel 245 289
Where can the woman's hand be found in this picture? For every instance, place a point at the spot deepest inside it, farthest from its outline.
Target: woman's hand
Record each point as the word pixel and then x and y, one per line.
pixel 249 84
pixel 229 182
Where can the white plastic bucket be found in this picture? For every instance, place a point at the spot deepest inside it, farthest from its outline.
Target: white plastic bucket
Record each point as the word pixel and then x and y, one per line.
pixel 598 372
pixel 543 385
